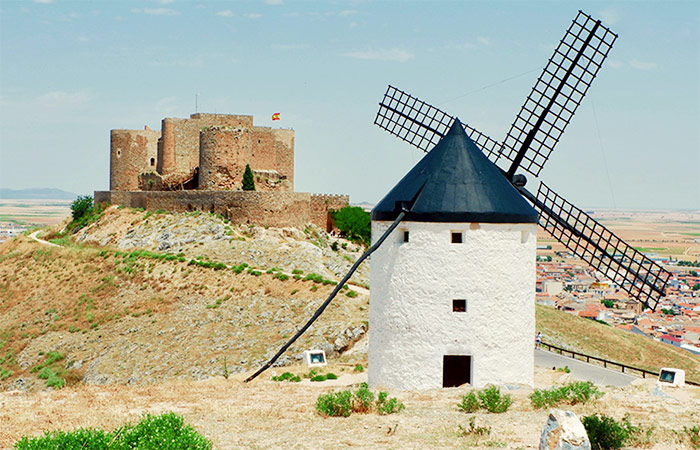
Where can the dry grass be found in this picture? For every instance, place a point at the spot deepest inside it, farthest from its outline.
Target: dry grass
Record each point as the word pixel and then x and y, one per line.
pixel 266 414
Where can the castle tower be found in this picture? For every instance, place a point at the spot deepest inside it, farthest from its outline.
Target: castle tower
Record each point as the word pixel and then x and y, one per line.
pixel 452 298
pixel 223 154
pixel 132 152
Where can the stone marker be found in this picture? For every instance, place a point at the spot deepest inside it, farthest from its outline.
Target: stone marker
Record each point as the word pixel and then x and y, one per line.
pixel 564 431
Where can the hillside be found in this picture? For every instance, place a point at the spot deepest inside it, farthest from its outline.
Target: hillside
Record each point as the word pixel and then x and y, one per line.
pixel 119 316
pixel 593 338
pixel 138 298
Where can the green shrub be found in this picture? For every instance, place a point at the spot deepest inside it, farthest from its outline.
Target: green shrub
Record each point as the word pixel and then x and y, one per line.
pixel 354 222
pixel 358 368
pixel 281 276
pixel 607 433
pixel 492 400
pixel 387 405
pixel 297 272
pixel 334 404
pixel 572 393
pixel 81 206
pixel 163 432
pixel 287 376
pixel 363 398
pixel 469 403
pixel 351 294
pixel 344 403
pixel 81 439
pixel 5 374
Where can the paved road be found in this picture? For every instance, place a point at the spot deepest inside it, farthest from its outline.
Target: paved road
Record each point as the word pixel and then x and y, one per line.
pixel 581 370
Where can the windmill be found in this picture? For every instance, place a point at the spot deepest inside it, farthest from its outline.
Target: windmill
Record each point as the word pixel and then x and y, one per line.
pixel 530 141
pixel 411 341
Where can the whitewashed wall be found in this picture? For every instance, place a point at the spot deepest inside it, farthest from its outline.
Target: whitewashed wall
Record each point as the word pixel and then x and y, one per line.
pixel 411 322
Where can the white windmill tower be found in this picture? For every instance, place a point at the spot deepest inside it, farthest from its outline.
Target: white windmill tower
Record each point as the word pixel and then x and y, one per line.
pixel 452 298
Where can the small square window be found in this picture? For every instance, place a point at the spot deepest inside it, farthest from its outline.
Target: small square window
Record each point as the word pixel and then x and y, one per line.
pixel 459 305
pixel 456 237
pixel 405 235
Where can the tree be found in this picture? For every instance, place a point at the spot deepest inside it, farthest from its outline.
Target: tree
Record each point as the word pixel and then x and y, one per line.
pixel 696 287
pixel 81 207
pixel 607 303
pixel 248 179
pixel 354 222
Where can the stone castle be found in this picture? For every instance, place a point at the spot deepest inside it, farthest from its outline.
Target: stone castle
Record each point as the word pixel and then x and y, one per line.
pixel 197 164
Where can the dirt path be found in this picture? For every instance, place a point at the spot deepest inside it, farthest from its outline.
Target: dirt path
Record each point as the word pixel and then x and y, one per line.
pixel 34 236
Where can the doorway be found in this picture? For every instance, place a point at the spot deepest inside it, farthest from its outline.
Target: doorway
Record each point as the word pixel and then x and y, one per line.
pixel 456 370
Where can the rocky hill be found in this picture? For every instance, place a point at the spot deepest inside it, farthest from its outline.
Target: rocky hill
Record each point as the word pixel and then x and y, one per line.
pixel 140 298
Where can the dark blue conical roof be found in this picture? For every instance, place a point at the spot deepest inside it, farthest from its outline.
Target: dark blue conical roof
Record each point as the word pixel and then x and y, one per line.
pixel 456 182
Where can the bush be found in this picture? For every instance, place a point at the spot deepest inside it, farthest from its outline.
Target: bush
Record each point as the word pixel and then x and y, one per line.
pixel 358 368
pixel 606 433
pixel 287 376
pixel 572 393
pixel 387 405
pixel 492 400
pixel 81 206
pixel 469 403
pixel 354 222
pixel 344 403
pixel 163 432
pixel 334 404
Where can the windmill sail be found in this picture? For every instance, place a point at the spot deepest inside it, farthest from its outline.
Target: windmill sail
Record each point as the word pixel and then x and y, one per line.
pixel 635 273
pixel 423 125
pixel 557 93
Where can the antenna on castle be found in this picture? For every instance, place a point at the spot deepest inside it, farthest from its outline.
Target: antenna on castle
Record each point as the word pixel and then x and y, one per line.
pixel 196 105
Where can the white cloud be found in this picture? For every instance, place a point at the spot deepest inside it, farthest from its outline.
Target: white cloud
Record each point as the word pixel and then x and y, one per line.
pixel 166 2
pixel 483 40
pixel 347 12
pixel 610 16
pixel 44 2
pixel 225 13
pixel 642 65
pixel 615 64
pixel 274 2
pixel 393 54
pixel 253 15
pixel 156 11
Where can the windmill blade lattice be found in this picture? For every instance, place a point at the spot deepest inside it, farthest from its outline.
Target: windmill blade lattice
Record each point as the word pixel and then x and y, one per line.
pixel 423 125
pixel 641 277
pixel 557 93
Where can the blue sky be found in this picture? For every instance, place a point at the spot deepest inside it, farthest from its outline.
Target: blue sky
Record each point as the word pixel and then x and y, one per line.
pixel 72 70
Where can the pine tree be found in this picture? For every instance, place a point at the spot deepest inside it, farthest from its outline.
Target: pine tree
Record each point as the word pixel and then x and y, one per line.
pixel 248 179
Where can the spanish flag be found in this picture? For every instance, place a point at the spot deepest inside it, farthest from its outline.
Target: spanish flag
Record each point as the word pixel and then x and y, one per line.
pixel 276 116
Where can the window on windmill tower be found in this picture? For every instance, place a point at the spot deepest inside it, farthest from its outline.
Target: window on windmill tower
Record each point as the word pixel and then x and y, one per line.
pixel 405 235
pixel 456 237
pixel 153 161
pixel 459 305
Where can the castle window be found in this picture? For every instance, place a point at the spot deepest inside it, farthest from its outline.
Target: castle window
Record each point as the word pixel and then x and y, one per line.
pixel 119 153
pixel 459 305
pixel 153 161
pixel 456 237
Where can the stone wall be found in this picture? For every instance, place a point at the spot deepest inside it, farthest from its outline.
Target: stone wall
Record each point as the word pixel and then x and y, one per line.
pixel 275 209
pixel 132 152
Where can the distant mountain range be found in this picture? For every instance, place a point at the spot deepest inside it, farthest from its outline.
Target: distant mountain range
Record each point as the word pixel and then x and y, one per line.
pixel 37 193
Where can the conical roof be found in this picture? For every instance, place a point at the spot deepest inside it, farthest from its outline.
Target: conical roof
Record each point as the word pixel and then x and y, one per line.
pixel 455 182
